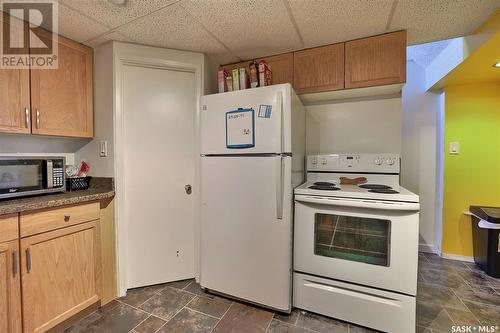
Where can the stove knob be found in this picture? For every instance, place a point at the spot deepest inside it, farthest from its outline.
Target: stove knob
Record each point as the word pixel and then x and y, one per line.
pixel 324 161
pixel 378 161
pixel 390 161
pixel 314 161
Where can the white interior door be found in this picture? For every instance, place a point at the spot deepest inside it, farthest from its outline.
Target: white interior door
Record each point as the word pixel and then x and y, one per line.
pixel 159 108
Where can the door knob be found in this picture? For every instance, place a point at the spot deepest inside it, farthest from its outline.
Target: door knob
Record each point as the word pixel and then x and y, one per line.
pixel 188 189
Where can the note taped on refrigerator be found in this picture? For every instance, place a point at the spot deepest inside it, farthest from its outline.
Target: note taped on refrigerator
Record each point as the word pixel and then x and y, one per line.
pixel 240 129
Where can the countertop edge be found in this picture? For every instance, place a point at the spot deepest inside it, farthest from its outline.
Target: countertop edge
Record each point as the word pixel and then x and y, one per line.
pixel 55 202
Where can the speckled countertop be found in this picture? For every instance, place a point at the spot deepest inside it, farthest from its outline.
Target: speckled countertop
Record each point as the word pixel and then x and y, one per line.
pixel 100 188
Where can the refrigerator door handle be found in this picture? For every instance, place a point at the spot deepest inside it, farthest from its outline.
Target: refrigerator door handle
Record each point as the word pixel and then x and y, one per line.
pixel 279 106
pixel 279 188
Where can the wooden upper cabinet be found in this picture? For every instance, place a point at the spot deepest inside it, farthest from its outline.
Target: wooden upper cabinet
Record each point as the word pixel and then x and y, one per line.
pixel 229 68
pixel 375 61
pixel 319 69
pixel 61 98
pixel 60 275
pixel 14 90
pixel 281 67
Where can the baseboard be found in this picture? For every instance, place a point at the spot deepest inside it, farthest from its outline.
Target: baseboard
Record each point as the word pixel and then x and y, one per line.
pixel 457 257
pixel 427 248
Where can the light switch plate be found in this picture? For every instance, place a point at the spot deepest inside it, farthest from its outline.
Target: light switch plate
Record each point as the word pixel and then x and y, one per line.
pixel 454 148
pixel 103 148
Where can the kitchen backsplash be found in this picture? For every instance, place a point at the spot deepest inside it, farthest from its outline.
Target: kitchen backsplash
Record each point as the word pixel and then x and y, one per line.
pixel 39 145
pixel 370 126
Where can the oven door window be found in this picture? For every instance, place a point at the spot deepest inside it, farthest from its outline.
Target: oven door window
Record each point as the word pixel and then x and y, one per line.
pixel 352 238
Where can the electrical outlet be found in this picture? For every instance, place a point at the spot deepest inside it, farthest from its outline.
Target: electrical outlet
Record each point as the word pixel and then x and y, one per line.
pixel 454 148
pixel 103 148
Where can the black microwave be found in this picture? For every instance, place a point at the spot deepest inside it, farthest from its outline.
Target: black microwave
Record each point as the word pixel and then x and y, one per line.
pixel 21 176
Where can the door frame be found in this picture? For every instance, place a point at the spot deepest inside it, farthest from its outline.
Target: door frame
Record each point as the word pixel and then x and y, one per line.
pixel 159 61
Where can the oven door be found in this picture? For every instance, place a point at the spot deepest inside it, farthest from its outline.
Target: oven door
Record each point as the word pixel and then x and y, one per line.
pixel 366 242
pixel 18 176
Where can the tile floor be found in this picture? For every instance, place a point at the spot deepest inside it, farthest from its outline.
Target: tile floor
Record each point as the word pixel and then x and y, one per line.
pixel 449 293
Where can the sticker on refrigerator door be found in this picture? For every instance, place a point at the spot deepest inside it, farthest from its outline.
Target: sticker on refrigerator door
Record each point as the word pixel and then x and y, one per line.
pixel 240 131
pixel 265 111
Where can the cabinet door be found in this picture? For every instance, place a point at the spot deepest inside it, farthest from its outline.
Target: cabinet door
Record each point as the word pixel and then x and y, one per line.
pixel 229 68
pixel 319 69
pixel 375 61
pixel 60 275
pixel 14 91
pixel 10 288
pixel 62 98
pixel 281 67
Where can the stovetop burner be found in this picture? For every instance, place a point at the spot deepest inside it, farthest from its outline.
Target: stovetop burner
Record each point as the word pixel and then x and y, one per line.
pixel 324 187
pixel 384 190
pixel 324 183
pixel 375 187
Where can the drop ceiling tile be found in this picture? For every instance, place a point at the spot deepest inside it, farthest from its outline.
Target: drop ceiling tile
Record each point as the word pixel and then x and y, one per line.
pixel 172 27
pixel 112 15
pixel 250 29
pixel 78 27
pixel 430 20
pixel 323 22
pixel 109 36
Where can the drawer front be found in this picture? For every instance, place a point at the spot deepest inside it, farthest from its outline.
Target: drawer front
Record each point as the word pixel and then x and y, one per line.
pixel 356 304
pixel 9 228
pixel 51 219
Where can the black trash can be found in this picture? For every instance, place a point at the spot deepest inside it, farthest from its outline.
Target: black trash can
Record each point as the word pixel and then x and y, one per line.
pixel 486 239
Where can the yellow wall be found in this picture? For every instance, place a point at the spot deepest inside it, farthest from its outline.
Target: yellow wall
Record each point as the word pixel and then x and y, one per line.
pixel 472 117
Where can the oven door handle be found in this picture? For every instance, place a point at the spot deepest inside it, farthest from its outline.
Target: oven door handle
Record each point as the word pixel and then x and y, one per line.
pixel 360 203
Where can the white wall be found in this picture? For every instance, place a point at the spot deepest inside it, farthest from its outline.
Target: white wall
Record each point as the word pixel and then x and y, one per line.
pixel 37 145
pixel 444 62
pixel 103 115
pixel 368 126
pixel 420 151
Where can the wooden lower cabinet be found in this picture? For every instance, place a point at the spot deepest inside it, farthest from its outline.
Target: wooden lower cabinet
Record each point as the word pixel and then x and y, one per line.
pixel 60 275
pixel 10 288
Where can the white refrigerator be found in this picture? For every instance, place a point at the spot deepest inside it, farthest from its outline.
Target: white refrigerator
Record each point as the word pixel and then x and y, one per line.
pixel 252 156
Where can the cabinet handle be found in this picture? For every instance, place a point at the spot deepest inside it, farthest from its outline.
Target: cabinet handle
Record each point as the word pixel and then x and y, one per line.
pixel 37 118
pixel 27 117
pixel 28 259
pixel 14 263
pixel 67 217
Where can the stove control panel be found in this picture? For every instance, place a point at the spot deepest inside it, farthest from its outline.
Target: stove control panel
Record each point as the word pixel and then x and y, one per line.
pixel 380 163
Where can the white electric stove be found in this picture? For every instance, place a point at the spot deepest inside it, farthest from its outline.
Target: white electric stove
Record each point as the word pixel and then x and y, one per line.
pixel 356 246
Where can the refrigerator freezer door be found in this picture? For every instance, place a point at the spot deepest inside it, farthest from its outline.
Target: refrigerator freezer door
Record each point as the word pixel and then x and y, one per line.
pixel 256 121
pixel 246 229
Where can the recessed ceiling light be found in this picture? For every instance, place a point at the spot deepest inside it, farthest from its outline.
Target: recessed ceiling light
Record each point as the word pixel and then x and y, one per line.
pixel 496 65
pixel 118 2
